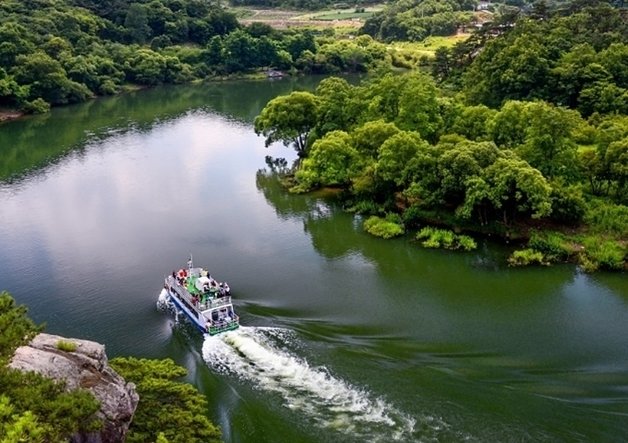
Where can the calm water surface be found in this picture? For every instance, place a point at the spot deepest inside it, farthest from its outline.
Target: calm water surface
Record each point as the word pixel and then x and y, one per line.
pixel 347 338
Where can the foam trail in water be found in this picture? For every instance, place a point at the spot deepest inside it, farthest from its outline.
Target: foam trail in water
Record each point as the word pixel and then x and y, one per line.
pixel 162 299
pixel 251 354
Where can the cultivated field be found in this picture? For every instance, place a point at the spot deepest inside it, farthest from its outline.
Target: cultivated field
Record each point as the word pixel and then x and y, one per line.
pixel 282 19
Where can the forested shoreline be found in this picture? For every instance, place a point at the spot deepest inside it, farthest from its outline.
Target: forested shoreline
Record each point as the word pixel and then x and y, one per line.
pixel 56 52
pixel 524 137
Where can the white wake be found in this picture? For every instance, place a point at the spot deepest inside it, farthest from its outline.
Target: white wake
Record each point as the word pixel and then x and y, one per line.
pixel 254 354
pixel 162 299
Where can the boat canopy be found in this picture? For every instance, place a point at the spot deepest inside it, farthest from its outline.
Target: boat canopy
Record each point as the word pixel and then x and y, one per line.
pixel 202 283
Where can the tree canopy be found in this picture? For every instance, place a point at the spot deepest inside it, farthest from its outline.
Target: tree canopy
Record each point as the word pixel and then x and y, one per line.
pixel 55 52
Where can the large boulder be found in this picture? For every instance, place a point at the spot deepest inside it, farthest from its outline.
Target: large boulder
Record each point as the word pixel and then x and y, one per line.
pixel 85 367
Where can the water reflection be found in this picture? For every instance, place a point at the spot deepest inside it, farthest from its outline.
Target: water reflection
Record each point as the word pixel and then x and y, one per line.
pixel 36 141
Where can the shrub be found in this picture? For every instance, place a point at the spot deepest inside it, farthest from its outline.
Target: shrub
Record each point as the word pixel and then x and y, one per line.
pixel 467 243
pixel 34 408
pixel 604 254
pixel 67 346
pixel 174 409
pixel 568 204
pixel 413 215
pixel 443 238
pixel 37 106
pixel 394 218
pixel 606 217
pixel 367 207
pixel 380 227
pixel 553 245
pixel 525 257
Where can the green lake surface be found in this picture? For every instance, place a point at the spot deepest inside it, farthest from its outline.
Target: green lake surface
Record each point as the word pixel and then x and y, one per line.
pixel 345 337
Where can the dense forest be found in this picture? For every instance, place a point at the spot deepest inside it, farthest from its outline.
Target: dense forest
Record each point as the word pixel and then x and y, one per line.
pixel 36 409
pixel 525 137
pixel 55 52
pixel 415 20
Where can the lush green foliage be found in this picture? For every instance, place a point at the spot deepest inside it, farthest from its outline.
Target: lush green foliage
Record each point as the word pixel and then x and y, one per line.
pixel 607 218
pixel 168 410
pixel 16 329
pixel 526 257
pixel 66 346
pixel 443 238
pixel 579 61
pixel 288 119
pixel 398 141
pixel 553 245
pixel 33 408
pixel 416 20
pixel 383 227
pixel 601 253
pixel 590 251
pixel 36 409
pixel 56 52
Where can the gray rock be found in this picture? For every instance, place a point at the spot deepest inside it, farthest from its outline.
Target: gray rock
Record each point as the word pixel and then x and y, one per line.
pixel 84 368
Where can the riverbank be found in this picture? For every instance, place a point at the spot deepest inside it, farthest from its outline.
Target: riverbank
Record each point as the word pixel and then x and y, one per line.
pixel 10 114
pixel 533 242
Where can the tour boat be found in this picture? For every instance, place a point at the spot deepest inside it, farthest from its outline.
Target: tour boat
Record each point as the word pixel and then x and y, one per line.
pixel 206 302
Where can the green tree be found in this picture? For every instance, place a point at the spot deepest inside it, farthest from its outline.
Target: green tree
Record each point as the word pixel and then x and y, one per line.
pixel 368 138
pixel 13 43
pixel 240 51
pixel 147 67
pixel 516 187
pixel 11 93
pixel 394 159
pixel 136 23
pixel 174 410
pixel 331 161
pixel 18 427
pixel 334 110
pixel 419 108
pixel 16 329
pixel 289 119
pixel 603 97
pixel 459 163
pixel 508 127
pixel 473 122
pixel 48 80
pixel 616 159
pixel 548 144
pixel 34 408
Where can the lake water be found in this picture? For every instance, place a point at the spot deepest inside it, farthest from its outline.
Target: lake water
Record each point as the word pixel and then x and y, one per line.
pixel 345 337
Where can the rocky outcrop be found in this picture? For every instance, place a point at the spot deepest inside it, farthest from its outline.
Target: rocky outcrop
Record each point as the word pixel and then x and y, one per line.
pixel 86 367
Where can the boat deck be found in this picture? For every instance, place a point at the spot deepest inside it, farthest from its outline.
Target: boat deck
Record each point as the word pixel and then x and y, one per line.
pixel 206 301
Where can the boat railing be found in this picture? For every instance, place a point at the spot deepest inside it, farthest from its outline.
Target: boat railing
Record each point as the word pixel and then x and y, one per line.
pixel 215 302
